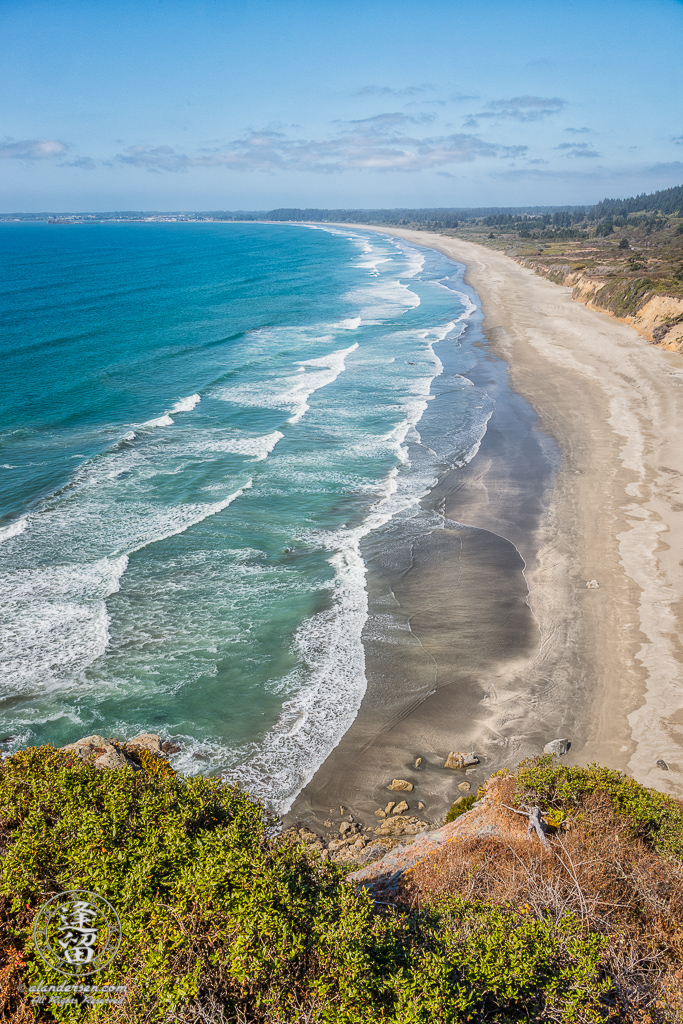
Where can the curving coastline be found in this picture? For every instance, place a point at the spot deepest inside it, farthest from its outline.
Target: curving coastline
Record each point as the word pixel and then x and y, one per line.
pixel 609 672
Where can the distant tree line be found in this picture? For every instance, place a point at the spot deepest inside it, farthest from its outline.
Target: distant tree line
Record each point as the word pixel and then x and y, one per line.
pixel 565 218
pixel 440 217
pixel 668 200
pixel 646 211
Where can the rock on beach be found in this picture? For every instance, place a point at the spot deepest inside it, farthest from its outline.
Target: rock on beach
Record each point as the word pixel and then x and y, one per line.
pixel 457 760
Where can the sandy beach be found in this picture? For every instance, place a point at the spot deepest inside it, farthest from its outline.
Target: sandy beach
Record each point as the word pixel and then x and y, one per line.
pixel 504 646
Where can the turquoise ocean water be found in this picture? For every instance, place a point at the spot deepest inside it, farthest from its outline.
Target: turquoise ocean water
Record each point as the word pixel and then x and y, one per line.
pixel 204 428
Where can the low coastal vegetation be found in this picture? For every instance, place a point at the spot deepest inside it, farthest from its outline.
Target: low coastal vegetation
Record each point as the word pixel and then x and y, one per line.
pixel 224 920
pixel 621 256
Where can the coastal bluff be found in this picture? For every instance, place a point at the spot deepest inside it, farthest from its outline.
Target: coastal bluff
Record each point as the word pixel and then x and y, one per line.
pixel 227 920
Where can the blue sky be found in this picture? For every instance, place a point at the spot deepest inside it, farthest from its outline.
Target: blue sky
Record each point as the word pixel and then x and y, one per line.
pixel 214 104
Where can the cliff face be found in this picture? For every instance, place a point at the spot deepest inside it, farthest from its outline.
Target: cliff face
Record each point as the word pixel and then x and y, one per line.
pixel 658 317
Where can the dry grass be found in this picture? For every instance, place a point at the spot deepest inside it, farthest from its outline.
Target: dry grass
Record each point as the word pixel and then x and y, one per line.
pixel 614 883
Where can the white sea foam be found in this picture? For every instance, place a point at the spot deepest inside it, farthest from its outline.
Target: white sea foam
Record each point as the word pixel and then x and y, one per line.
pixel 291 393
pixel 324 371
pixel 181 518
pixel 186 404
pixel 415 258
pixel 373 264
pixel 183 405
pixel 329 644
pixel 331 653
pixel 469 306
pixel 351 324
pixel 160 421
pixel 381 301
pixel 53 618
pixel 258 447
pixel 13 530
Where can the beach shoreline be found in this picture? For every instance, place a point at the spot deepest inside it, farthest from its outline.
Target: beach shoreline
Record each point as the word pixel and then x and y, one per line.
pixel 609 671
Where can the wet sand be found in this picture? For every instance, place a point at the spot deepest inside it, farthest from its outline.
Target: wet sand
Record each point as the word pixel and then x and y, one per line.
pixel 498 645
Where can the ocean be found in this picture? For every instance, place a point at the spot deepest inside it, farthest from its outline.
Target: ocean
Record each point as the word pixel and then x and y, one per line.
pixel 208 430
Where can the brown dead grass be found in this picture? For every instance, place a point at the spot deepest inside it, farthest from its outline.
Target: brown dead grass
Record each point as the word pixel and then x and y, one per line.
pixel 614 883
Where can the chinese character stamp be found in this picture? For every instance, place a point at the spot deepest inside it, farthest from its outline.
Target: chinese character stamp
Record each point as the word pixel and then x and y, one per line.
pixel 77 933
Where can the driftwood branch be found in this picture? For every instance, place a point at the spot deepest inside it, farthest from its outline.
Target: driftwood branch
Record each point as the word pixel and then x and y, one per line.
pixel 534 823
pixel 537 825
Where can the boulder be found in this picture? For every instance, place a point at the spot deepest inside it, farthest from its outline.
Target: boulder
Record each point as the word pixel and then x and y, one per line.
pixel 344 827
pixel 420 806
pixel 464 787
pixel 400 826
pixel 400 808
pixel 379 813
pixel 371 852
pixel 458 760
pixel 147 741
pixel 488 818
pixel 663 765
pixel 91 747
pixel 592 585
pixel 113 758
pixel 400 784
pixel 418 762
pixel 389 807
pixel 89 741
pixel 558 747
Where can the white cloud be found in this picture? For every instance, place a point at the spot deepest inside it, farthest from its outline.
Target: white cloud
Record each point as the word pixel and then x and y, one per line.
pixel 33 149
pixel 376 143
pixel 518 108
pixel 83 163
pixel 578 149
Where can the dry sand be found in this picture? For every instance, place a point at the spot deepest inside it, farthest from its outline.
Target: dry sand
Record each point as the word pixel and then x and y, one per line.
pixel 609 670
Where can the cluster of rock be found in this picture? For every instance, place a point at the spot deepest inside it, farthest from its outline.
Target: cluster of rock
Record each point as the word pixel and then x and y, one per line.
pixel 110 753
pixel 363 844
pixel 488 817
pixel 351 845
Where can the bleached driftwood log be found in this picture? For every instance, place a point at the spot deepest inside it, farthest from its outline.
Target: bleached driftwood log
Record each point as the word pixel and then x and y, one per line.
pixel 535 822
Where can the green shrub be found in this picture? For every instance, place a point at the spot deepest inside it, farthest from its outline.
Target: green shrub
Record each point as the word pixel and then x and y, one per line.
pixel 516 966
pixel 205 899
pixel 459 808
pixel 221 922
pixel 653 816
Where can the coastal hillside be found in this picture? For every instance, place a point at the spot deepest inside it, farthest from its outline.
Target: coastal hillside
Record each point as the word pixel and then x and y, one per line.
pixel 225 920
pixel 622 256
